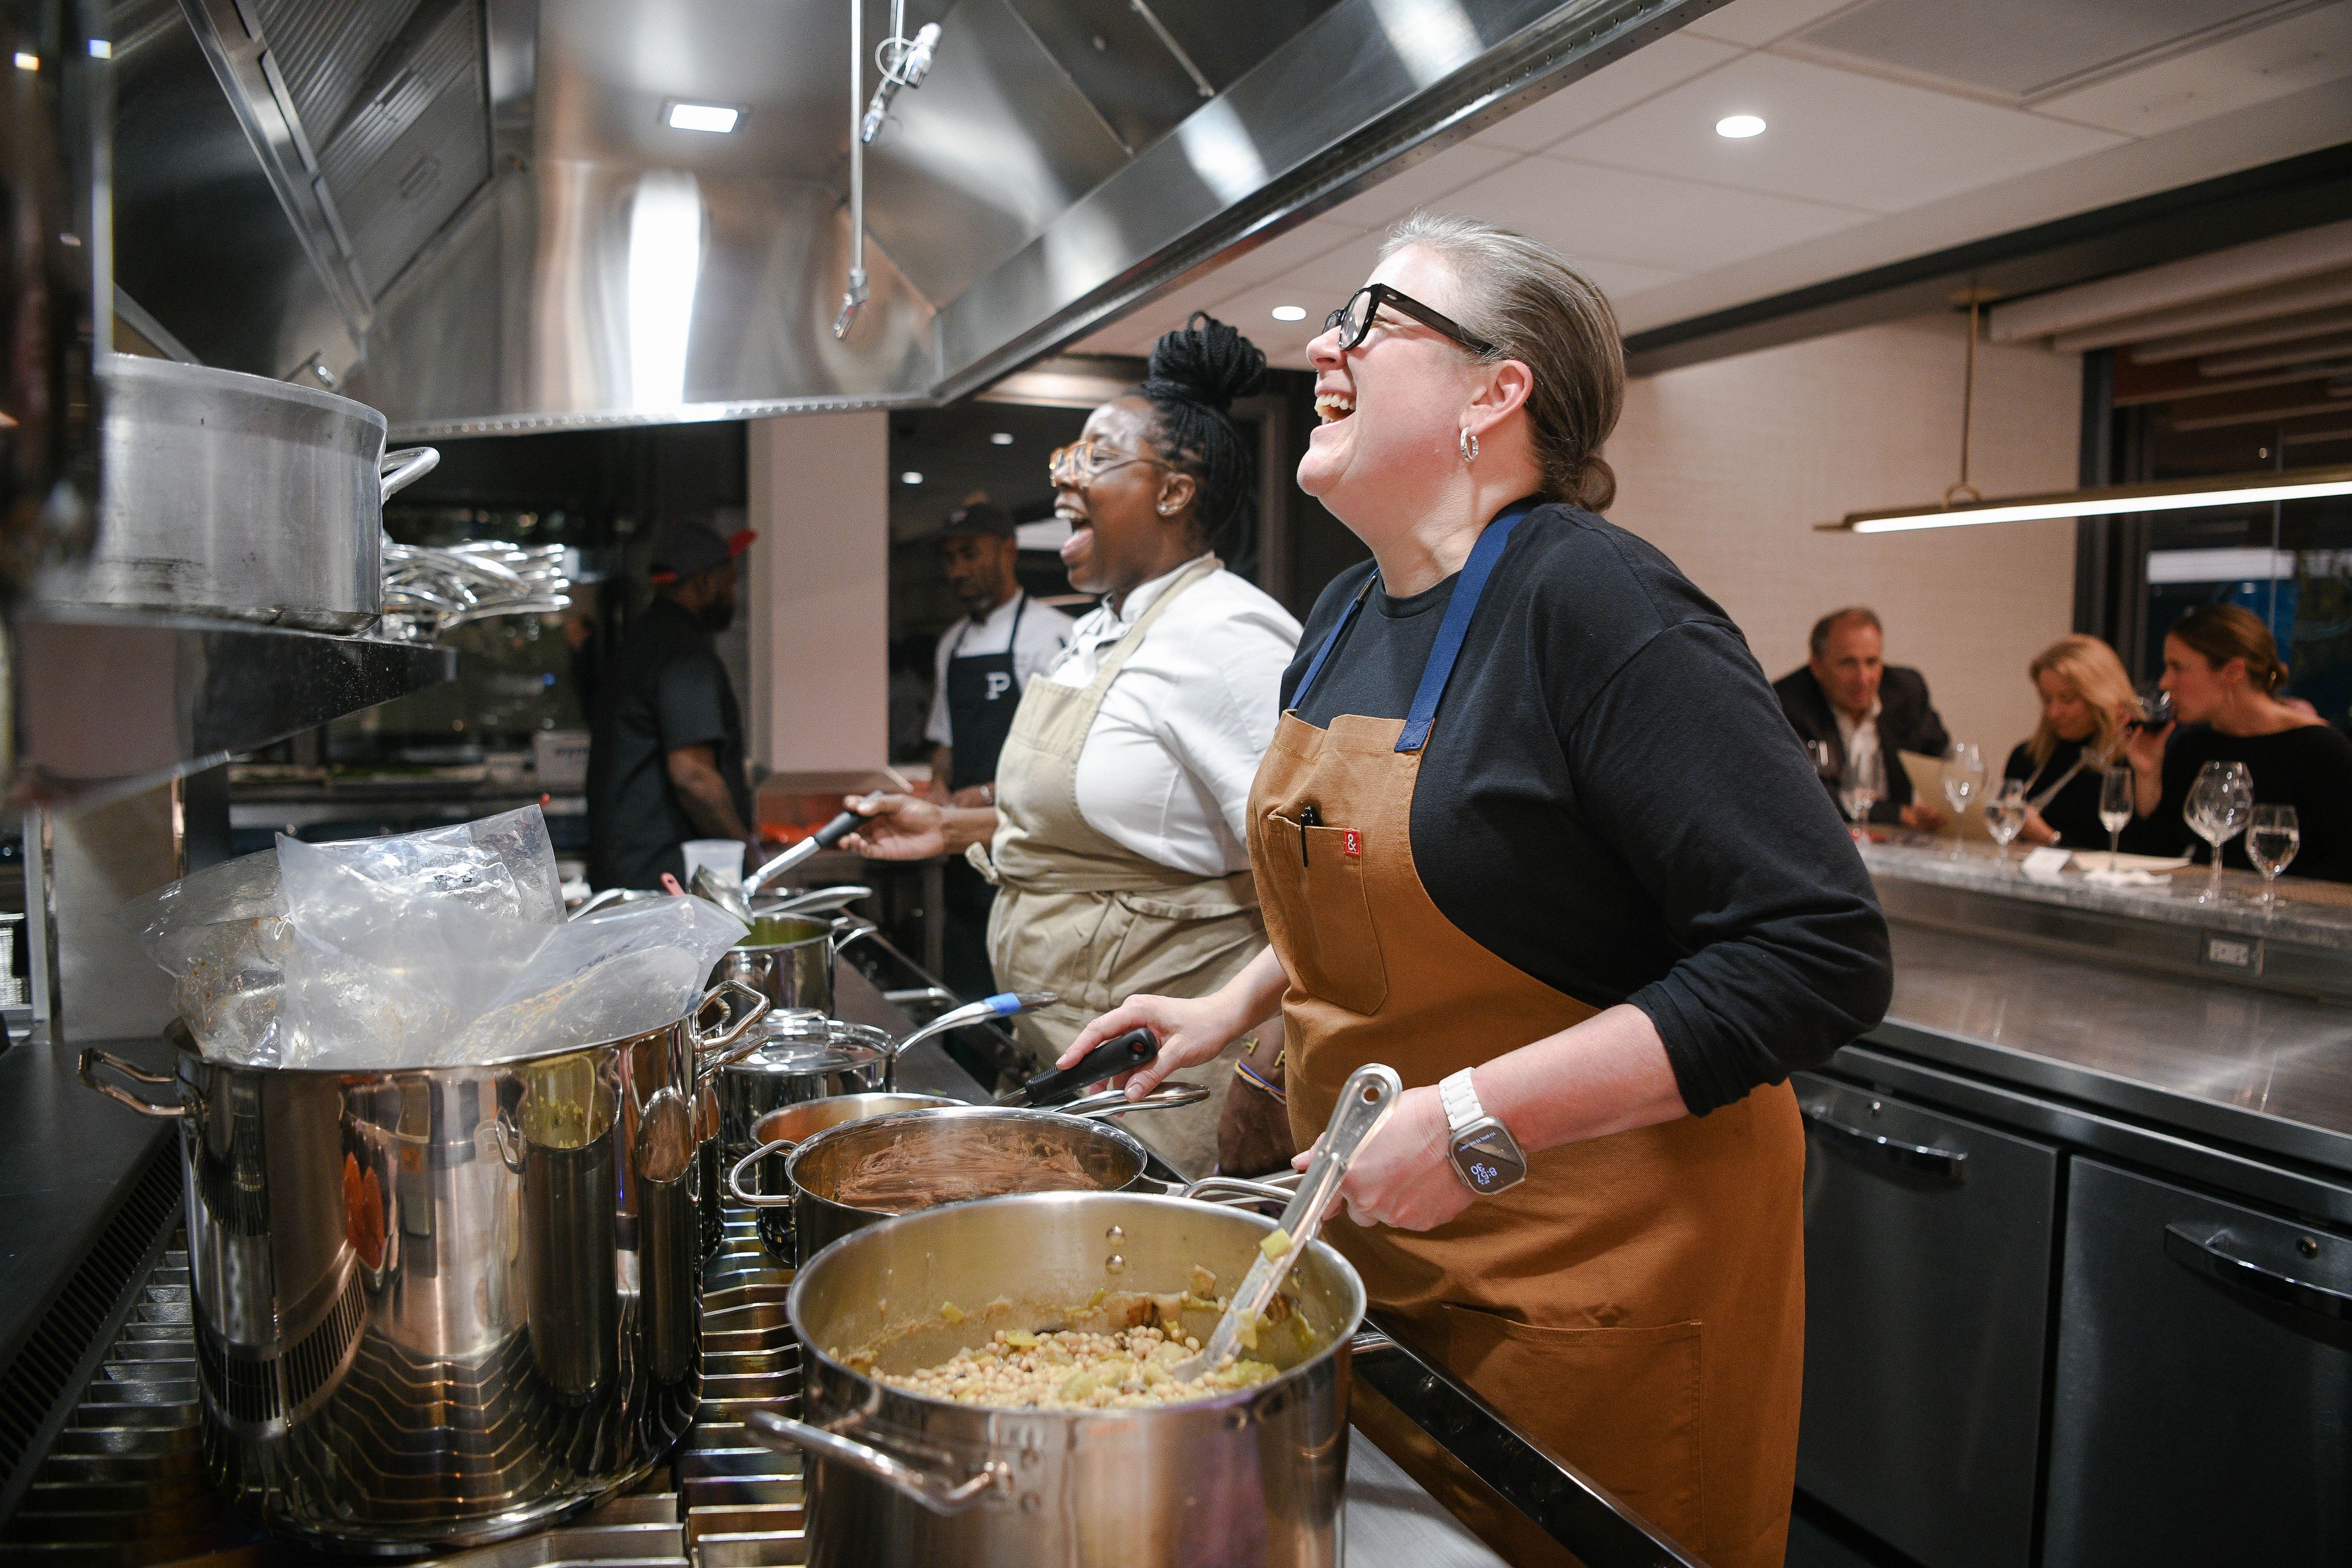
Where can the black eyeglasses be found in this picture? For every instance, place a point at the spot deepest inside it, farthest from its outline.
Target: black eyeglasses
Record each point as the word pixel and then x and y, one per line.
pixel 1354 319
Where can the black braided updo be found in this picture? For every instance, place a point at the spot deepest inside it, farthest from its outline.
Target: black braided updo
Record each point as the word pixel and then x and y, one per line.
pixel 1194 376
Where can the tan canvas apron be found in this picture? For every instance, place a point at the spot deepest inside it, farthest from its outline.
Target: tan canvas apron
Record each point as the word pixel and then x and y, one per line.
pixel 1082 915
pixel 1636 1306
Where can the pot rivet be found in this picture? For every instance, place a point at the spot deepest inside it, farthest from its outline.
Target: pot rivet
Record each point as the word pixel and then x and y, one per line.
pixel 1114 1263
pixel 1031 1502
pixel 1115 1233
pixel 1236 1420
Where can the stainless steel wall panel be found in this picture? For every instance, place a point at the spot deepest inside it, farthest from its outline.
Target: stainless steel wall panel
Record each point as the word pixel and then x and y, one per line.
pixel 995 146
pixel 557 304
pixel 1371 87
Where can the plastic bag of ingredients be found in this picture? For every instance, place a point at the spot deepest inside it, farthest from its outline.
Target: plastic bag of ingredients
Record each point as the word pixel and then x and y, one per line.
pixel 423 949
pixel 223 934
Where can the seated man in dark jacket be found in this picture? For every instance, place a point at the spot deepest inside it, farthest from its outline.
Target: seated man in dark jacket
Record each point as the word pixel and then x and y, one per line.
pixel 1849 698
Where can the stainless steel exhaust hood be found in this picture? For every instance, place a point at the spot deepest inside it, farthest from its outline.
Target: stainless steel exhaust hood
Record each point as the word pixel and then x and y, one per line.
pixel 481 219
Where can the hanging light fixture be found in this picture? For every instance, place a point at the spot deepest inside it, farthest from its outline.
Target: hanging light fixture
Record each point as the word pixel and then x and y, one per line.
pixel 1963 505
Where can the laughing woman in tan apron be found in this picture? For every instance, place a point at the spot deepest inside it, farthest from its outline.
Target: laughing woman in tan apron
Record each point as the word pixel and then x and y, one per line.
pixel 1118 840
pixel 1533 832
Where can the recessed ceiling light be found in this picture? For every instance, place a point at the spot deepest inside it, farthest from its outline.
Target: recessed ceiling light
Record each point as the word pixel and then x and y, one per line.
pixel 1739 127
pixel 715 117
pixel 1002 438
pixel 26 62
pixel 1291 312
pixel 910 477
pixel 100 50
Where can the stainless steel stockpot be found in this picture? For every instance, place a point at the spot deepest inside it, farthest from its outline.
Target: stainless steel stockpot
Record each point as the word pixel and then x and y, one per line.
pixel 445 1305
pixel 788 959
pixel 239 496
pixel 1254 1477
pixel 799 1057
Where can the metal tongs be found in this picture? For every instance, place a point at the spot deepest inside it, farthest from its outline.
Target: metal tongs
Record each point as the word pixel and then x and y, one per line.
pixel 1366 1100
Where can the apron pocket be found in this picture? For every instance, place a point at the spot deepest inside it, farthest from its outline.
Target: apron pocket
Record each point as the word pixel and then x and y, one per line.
pixel 1621 1404
pixel 1334 949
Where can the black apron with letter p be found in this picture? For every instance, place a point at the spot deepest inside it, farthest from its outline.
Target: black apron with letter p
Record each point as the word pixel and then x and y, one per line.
pixel 983 692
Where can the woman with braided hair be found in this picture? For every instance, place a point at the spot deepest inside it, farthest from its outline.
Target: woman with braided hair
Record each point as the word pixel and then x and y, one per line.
pixel 1117 842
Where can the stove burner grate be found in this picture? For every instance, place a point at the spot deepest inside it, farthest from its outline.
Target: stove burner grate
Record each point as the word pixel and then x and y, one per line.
pixel 124 1487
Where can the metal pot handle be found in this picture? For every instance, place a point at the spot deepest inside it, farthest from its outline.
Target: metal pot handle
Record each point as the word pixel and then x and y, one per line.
pixel 92 1058
pixel 759 1200
pixel 940 1496
pixel 400 470
pixel 848 929
pixel 1114 1101
pixel 1235 1192
pixel 732 1043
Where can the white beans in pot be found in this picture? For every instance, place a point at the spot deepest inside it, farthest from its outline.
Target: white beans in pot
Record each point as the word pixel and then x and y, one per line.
pixel 1075 1370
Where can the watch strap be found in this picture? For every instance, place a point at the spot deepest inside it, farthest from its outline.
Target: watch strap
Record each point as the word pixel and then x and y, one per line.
pixel 1459 1095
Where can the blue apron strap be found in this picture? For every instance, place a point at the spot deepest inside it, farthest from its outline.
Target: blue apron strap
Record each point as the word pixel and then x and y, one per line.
pixel 1347 619
pixel 1456 627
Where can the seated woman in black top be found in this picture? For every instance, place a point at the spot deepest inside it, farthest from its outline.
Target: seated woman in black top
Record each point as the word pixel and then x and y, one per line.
pixel 2086 700
pixel 2222 669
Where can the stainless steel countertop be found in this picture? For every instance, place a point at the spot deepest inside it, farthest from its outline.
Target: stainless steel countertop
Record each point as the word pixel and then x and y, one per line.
pixel 2268 1072
pixel 2318 914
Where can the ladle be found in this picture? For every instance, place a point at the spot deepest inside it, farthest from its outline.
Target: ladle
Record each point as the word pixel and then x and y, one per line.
pixel 1366 1100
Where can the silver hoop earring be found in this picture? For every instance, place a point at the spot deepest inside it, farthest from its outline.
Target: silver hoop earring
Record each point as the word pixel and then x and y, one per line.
pixel 1469 445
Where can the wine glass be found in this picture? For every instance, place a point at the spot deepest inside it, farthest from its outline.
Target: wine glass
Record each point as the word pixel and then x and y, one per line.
pixel 2216 807
pixel 2273 835
pixel 1964 780
pixel 1862 785
pixel 2115 806
pixel 2005 813
pixel 1826 762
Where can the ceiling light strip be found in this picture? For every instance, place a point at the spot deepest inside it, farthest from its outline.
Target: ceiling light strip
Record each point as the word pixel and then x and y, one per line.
pixel 2170 495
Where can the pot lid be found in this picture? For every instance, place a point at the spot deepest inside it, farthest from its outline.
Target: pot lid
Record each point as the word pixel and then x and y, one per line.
pixel 809 1042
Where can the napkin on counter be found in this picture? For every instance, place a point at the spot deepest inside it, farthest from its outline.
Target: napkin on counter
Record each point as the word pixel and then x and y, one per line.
pixel 2111 878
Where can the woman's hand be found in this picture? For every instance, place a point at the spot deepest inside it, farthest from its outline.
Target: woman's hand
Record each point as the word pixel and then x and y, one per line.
pixel 1403 1177
pixel 1190 1030
pixel 897 827
pixel 2143 748
pixel 2035 830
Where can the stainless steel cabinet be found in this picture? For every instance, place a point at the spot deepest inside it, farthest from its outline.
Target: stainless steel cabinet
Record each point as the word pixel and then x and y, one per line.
pixel 1927 1255
pixel 2203 1411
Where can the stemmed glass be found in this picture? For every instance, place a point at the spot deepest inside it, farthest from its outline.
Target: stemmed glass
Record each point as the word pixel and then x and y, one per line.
pixel 2273 835
pixel 1862 785
pixel 2005 813
pixel 2115 807
pixel 2218 806
pixel 1964 780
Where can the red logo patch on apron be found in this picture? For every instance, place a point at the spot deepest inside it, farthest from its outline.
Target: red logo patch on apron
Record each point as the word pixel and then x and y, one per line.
pixel 1351 842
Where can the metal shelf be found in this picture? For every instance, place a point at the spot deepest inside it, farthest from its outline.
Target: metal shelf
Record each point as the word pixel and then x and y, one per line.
pixel 111 705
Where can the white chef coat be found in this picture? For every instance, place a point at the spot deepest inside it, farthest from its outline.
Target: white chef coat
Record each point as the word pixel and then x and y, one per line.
pixel 1044 632
pixel 1167 765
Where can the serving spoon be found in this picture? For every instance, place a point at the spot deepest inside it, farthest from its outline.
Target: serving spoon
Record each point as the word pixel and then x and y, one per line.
pixel 1365 1102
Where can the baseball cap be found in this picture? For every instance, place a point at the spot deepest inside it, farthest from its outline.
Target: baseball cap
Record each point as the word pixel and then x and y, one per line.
pixel 683 549
pixel 980 517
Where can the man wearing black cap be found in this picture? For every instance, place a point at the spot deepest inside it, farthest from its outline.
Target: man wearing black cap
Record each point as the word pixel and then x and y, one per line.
pixel 667 763
pixel 985 661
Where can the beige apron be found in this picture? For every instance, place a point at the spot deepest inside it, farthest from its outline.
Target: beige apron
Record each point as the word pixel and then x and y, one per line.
pixel 1080 914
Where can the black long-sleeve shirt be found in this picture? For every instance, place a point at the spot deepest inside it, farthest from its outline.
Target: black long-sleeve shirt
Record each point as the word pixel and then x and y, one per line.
pixel 2308 768
pixel 1612 802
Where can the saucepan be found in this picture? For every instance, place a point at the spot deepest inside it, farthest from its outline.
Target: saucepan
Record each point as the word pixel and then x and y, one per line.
pixel 873 1162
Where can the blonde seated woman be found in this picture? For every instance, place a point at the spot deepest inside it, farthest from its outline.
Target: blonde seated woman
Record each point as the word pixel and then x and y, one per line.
pixel 2087 703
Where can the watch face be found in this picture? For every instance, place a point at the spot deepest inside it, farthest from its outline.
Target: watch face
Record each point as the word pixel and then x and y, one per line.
pixel 1488 1161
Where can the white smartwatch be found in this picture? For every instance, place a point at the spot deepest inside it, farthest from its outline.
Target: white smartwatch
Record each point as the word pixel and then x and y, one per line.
pixel 1485 1155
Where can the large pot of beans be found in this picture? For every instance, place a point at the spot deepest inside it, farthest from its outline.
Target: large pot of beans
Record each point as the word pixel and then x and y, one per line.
pixel 987 1383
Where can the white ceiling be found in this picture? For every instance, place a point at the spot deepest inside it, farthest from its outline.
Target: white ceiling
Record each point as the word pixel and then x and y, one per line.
pixel 1861 165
